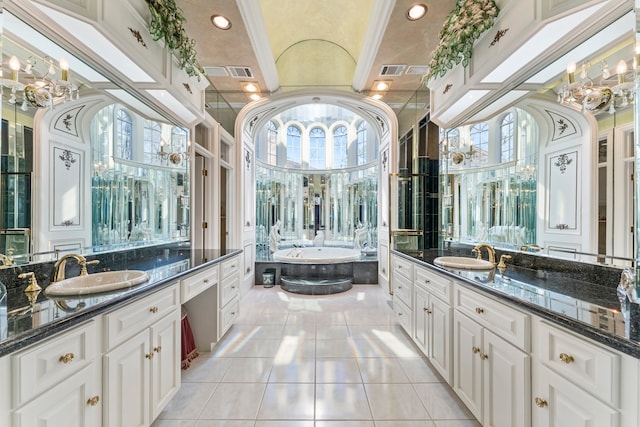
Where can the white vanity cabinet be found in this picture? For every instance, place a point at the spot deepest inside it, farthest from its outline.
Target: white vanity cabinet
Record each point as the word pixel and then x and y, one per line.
pixel 57 382
pixel 432 319
pixel 402 287
pixel 579 383
pixel 141 366
pixel 228 294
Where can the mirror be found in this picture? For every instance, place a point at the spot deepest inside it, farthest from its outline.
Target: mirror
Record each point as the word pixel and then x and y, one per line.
pixel 553 174
pixel 82 169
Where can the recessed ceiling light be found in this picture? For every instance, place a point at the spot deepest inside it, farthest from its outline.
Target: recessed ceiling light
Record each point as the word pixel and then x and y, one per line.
pixel 416 11
pixel 221 22
pixel 381 85
pixel 254 96
pixel 377 96
pixel 250 87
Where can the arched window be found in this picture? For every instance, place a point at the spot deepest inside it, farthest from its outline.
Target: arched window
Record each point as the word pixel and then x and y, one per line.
pixel 506 139
pixel 316 148
pixel 340 147
pixel 361 145
pixel 178 140
pixel 152 138
pixel 272 143
pixel 479 134
pixel 124 135
pixel 293 147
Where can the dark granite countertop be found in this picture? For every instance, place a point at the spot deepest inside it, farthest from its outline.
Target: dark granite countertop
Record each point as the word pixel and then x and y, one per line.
pixel 25 324
pixel 589 309
pixel 586 308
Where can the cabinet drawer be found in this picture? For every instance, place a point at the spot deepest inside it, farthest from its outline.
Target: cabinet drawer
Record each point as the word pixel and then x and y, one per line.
pixel 507 322
pixel 402 267
pixel 227 315
pixel 434 283
pixel 403 314
pixel 133 318
pixel 403 289
pixel 582 362
pixel 41 367
pixel 193 285
pixel 231 266
pixel 229 289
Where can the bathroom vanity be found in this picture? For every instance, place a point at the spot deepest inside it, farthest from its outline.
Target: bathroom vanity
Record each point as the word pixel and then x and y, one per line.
pixel 113 359
pixel 518 354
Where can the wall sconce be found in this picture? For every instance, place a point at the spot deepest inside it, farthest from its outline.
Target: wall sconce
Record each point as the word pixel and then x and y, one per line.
pixel 174 157
pixel 43 92
pixel 456 156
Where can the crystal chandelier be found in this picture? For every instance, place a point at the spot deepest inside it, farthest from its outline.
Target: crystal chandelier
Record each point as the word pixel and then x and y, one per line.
pixel 610 93
pixel 39 92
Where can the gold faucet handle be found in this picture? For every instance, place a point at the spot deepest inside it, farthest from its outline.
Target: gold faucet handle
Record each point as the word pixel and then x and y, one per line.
pixel 83 265
pixel 33 282
pixel 502 265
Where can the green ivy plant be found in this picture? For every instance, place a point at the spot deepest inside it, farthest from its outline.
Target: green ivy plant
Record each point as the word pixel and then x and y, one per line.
pixel 167 24
pixel 461 29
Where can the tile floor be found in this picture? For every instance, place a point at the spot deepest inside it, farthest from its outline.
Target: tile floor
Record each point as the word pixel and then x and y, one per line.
pixel 314 361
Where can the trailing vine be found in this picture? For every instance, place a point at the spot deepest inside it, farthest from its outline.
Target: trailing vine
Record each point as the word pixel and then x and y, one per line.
pixel 464 25
pixel 167 23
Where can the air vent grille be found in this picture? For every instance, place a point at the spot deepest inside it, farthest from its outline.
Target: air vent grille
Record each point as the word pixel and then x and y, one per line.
pixel 216 71
pixel 392 70
pixel 240 72
pixel 419 70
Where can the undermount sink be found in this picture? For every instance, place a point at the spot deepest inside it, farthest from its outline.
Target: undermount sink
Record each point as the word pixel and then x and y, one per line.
pixel 464 263
pixel 97 283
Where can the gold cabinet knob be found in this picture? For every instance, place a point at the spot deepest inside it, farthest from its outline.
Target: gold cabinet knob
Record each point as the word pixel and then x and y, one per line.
pixel 149 356
pixel 66 358
pixel 479 310
pixel 153 309
pixel 541 403
pixel 475 350
pixel 157 349
pixel 484 356
pixel 427 281
pixel 427 310
pixel 566 358
pixel 93 401
pixel 206 280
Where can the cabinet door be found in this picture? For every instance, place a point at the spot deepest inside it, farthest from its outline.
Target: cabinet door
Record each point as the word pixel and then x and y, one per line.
pixel 506 382
pixel 467 373
pixel 421 321
pixel 74 402
pixel 558 403
pixel 440 315
pixel 165 372
pixel 126 379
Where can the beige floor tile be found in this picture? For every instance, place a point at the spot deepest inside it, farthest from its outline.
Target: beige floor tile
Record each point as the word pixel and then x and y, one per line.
pixel 173 423
pixel 189 402
pixel 336 370
pixel 382 370
pixel 335 348
pixel 231 401
pixel 249 370
pixel 441 402
pixel 343 423
pixel 224 423
pixel 457 423
pixel 295 370
pixel 398 423
pixel 341 402
pixel 419 370
pixel 395 402
pixel 206 369
pixel 284 423
pixel 287 402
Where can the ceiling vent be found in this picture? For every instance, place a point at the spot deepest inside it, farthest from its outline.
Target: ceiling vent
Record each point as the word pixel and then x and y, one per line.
pixel 392 70
pixel 240 72
pixel 216 71
pixel 419 70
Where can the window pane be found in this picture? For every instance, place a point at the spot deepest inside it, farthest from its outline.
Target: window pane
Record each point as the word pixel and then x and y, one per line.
pixel 362 143
pixel 506 139
pixel 480 139
pixel 293 147
pixel 340 147
pixel 272 143
pixel 124 135
pixel 316 149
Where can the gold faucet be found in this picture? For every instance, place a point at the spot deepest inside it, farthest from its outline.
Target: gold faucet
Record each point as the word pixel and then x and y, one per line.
pixel 490 251
pixel 532 246
pixel 6 260
pixel 502 265
pixel 59 267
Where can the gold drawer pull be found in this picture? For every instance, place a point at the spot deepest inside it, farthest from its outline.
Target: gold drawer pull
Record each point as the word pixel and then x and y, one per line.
pixel 479 310
pixel 427 310
pixel 206 280
pixel 157 349
pixel 541 403
pixel 93 401
pixel 566 358
pixel 484 356
pixel 149 356
pixel 475 350
pixel 153 309
pixel 66 358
